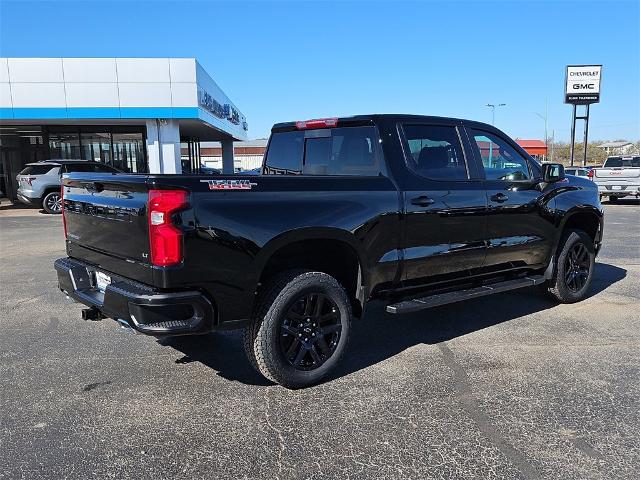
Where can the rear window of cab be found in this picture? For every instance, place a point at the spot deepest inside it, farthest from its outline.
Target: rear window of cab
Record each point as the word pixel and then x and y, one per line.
pixel 614 162
pixel 336 151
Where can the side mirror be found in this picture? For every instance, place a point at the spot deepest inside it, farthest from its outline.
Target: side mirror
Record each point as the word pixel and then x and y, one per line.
pixel 552 172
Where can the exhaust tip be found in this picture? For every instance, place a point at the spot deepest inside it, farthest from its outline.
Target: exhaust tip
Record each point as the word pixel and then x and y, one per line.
pixel 126 326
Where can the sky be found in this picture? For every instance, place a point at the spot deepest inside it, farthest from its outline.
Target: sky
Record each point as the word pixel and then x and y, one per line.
pixel 283 61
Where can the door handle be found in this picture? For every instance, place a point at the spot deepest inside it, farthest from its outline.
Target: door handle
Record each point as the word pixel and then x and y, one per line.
pixel 422 201
pixel 499 197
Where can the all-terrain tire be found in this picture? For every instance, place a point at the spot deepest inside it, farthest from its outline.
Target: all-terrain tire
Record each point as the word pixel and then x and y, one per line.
pixel 264 333
pixel 558 287
pixel 248 340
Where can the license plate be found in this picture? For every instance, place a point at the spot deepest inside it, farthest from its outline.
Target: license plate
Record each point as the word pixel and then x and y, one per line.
pixel 102 280
pixel 616 187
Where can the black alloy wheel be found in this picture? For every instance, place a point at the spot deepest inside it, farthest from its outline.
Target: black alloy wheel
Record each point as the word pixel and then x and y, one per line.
pixel 573 272
pixel 577 266
pixel 300 328
pixel 310 331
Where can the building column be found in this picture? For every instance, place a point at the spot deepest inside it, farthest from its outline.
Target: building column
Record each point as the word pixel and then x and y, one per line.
pixel 163 146
pixel 227 156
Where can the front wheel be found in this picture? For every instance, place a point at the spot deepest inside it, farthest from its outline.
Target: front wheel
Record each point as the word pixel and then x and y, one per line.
pixel 574 268
pixel 300 329
pixel 52 202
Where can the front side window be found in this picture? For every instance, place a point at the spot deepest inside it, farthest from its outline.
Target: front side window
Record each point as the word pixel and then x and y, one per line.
pixel 500 160
pixel 435 152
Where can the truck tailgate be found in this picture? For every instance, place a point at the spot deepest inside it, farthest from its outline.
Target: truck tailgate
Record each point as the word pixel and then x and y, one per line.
pixel 106 221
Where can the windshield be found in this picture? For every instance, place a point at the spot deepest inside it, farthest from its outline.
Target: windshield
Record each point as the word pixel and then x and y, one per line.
pixel 622 162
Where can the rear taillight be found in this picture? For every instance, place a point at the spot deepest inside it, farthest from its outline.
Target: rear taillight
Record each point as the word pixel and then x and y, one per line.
pixel 165 239
pixel 317 123
pixel 29 180
pixel 64 219
pixel 591 174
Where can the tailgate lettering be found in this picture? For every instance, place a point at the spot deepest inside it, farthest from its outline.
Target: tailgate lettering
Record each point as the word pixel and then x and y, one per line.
pixel 229 184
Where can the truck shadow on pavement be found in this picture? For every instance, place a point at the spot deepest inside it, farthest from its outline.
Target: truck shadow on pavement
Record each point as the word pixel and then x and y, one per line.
pixel 380 336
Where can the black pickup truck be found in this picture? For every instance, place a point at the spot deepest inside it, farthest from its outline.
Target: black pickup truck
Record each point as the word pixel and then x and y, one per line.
pixel 416 211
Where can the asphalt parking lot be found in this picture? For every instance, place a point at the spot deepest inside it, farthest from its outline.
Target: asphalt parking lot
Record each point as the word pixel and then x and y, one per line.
pixel 508 386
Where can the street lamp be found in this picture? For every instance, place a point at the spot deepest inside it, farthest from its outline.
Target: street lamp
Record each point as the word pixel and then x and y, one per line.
pixel 545 117
pixel 493 106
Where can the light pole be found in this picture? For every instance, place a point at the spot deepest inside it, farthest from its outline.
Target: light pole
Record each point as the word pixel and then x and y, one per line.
pixel 493 106
pixel 544 117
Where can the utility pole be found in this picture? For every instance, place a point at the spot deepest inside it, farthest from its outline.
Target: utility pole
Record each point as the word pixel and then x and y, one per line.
pixel 493 106
pixel 545 118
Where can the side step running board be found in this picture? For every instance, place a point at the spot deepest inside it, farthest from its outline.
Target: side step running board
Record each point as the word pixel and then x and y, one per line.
pixel 416 304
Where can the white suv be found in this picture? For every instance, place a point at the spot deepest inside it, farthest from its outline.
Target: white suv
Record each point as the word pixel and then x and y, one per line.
pixel 39 183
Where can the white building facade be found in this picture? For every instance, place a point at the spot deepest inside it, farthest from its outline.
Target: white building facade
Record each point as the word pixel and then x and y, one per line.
pixel 132 113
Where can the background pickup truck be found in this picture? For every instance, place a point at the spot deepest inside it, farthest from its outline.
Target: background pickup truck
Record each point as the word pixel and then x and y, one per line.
pixel 618 177
pixel 416 211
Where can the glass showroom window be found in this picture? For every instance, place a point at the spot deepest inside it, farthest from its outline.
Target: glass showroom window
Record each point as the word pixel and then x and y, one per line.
pixel 64 145
pixel 96 147
pixel 129 152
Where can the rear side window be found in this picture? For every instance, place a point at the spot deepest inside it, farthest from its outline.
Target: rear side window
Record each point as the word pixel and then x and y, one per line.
pixel 37 169
pixel 105 169
pixel 337 151
pixel 613 162
pixel 89 167
pixel 435 152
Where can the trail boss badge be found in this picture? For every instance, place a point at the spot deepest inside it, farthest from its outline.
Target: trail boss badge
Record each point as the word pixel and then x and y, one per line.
pixel 229 184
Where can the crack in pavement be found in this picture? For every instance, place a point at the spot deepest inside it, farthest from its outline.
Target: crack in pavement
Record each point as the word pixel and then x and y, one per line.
pixel 470 405
pixel 281 442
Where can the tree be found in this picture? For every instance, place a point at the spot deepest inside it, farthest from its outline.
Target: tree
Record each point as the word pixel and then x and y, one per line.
pixel 595 155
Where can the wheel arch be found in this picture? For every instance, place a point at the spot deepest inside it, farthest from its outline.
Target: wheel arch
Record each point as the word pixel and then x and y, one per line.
pixel 49 189
pixel 587 219
pixel 329 250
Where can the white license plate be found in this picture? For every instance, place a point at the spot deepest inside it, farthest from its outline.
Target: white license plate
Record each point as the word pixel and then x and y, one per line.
pixel 616 187
pixel 102 281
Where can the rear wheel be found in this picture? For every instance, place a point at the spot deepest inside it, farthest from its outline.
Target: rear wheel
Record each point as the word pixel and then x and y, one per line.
pixel 574 268
pixel 613 199
pixel 300 329
pixel 52 202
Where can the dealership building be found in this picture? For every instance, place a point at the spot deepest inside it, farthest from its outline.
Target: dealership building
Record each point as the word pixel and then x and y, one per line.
pixel 136 114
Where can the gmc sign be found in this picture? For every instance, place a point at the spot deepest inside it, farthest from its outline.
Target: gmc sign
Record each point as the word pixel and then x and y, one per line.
pixel 582 84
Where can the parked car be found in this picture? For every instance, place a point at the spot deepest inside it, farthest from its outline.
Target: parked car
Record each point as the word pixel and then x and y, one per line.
pixel 414 211
pixel 619 177
pixel 578 172
pixel 39 183
pixel 252 171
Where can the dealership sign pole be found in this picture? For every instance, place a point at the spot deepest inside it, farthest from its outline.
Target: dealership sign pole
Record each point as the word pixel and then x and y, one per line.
pixel 582 87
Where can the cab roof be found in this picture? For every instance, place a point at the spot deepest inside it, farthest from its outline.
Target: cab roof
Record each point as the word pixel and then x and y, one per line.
pixel 371 119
